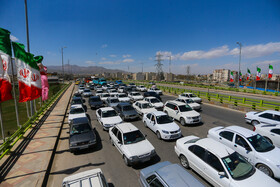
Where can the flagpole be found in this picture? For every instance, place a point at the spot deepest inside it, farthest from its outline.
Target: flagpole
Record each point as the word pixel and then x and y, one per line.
pixel 1 122
pixel 14 93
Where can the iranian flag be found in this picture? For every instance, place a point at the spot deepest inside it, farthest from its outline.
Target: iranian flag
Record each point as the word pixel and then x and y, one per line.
pixel 248 74
pixel 240 76
pixel 28 74
pixel 258 76
pixel 5 59
pixel 270 71
pixel 231 76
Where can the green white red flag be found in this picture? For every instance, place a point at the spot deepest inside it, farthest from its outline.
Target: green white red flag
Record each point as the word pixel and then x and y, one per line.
pixel 240 76
pixel 28 74
pixel 248 74
pixel 231 76
pixel 5 61
pixel 270 71
pixel 258 76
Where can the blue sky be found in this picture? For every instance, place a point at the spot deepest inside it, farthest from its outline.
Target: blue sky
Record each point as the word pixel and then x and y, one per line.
pixel 116 34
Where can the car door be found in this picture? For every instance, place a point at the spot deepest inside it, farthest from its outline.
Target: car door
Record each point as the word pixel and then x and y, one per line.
pixel 276 119
pixel 226 138
pixel 153 123
pixel 137 107
pixel 171 111
pixel 275 137
pixel 244 148
pixel 177 113
pixel 119 142
pixel 196 159
pixel 266 118
pixel 98 115
pixel 148 120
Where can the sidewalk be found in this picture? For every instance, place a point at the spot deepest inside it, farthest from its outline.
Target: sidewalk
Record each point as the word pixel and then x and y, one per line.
pixel 29 163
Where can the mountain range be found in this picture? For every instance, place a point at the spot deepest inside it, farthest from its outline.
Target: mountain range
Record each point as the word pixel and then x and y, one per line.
pixel 82 70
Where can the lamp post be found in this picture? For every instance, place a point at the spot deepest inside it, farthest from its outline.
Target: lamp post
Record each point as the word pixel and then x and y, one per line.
pixel 62 63
pixel 240 46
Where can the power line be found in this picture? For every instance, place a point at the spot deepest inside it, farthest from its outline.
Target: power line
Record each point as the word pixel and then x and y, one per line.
pixel 159 66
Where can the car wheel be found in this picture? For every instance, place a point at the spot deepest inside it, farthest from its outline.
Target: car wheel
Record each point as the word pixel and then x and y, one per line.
pixel 145 123
pixel 255 122
pixel 111 141
pixel 182 121
pixel 158 135
pixel 184 161
pixel 126 161
pixel 269 140
pixel 265 169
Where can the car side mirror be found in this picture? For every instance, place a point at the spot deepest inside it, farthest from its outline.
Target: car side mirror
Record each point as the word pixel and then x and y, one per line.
pixel 222 174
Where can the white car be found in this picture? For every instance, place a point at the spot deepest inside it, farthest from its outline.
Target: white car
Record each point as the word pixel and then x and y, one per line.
pixel 191 96
pixel 81 89
pixel 98 92
pixel 163 125
pixel 135 96
pixel 265 117
pixel 141 88
pixel 158 91
pixel 269 132
pixel 105 87
pixel 143 107
pixel 76 111
pixel 155 102
pixel 190 102
pixel 113 94
pixel 87 93
pixel 121 89
pixel 255 148
pixel 218 164
pixel 182 112
pixel 108 117
pixel 131 143
pixel 104 96
pixel 112 91
pixel 123 97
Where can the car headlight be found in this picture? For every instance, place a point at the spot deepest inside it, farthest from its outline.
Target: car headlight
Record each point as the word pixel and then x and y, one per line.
pixel 153 152
pixel 107 125
pixel 92 141
pixel 189 118
pixel 133 158
pixel 166 132
pixel 73 144
pixel 278 166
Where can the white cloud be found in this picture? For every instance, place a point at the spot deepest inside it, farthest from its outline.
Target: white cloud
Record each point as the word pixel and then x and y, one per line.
pixel 113 56
pixel 128 60
pixel 89 62
pixel 126 56
pixel 165 55
pixel 266 62
pixel 104 46
pixel 108 63
pixel 13 38
pixel 103 58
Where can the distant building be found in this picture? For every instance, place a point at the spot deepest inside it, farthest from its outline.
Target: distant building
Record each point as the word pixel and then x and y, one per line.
pixel 221 75
pixel 169 77
pixel 138 76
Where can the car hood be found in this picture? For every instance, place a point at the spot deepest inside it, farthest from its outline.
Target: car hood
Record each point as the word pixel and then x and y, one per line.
pixel 96 103
pixel 251 113
pixel 72 116
pixel 75 138
pixel 138 148
pixel 190 114
pixel 148 110
pixel 124 99
pixel 112 120
pixel 157 104
pixel 194 105
pixel 137 97
pixel 272 156
pixel 129 112
pixel 169 127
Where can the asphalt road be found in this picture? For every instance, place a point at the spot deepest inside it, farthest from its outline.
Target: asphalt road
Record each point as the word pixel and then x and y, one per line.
pixel 106 157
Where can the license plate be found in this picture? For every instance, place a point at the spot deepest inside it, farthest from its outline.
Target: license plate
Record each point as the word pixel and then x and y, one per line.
pixel 83 147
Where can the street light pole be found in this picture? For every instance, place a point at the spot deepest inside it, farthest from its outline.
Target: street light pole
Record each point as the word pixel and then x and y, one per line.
pixel 240 46
pixel 62 64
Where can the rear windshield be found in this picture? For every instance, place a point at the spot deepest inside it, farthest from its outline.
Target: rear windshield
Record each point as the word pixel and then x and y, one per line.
pixel 81 128
pixel 77 111
pixel 94 99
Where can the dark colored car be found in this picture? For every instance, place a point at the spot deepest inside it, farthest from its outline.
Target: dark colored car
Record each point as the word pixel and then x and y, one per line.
pixel 152 94
pixel 79 100
pixel 77 94
pixel 126 111
pixel 95 102
pixel 91 86
pixel 82 136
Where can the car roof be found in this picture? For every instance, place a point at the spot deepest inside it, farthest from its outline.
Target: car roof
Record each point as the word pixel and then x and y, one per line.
pixel 94 97
pixel 215 147
pixel 272 112
pixel 151 97
pixel 124 104
pixel 127 127
pixel 106 108
pixel 80 120
pixel 271 126
pixel 159 113
pixel 176 102
pixel 142 102
pixel 241 130
pixel 76 106
pixel 187 93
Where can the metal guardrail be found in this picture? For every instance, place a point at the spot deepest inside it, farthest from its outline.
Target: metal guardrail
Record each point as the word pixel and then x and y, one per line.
pixel 255 104
pixel 12 140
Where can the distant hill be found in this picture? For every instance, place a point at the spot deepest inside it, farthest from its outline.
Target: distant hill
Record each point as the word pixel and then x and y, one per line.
pixel 82 70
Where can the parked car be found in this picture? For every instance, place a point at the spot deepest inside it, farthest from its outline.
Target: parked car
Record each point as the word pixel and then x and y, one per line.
pixel 121 89
pixel 76 111
pixel 152 94
pixel 191 96
pixel 112 101
pixel 143 107
pixel 265 117
pixel 190 102
pixel 166 174
pixel 79 100
pixel 93 177
pixel 158 91
pixel 182 112
pixel 95 102
pixel 91 86
pixel 163 125
pixel 219 164
pixel 126 111
pixel 82 136
pixel 131 143
pixel 107 117
pixel 104 96
pixel 269 132
pixel 81 89
pixel 112 90
pixel 155 102
pixel 135 96
pixel 98 92
pixel 141 88
pixel 77 94
pixel 123 97
pixel 98 87
pixel 254 147
pixel 87 93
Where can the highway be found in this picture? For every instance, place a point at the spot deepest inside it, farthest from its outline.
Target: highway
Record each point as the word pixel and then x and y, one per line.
pixel 106 157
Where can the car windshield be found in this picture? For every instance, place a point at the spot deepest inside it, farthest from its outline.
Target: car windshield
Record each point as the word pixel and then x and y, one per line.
pixel 136 94
pixel 193 95
pixel 238 167
pixel 99 91
pixel 109 113
pixel 185 108
pixel 164 119
pixel 127 108
pixel 189 101
pixel 260 144
pixel 155 100
pixel 82 88
pixel 87 91
pixel 114 101
pixel 146 105
pixel 122 95
pixel 81 128
pixel 77 101
pixel 76 110
pixel 133 137
pixel 105 95
pixel 96 99
pixel 141 86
